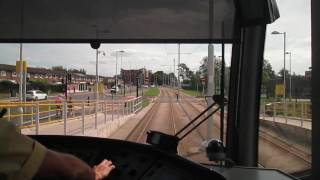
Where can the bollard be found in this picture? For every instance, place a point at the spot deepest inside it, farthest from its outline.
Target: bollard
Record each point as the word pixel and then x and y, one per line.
pixel 49 112
pixel 37 119
pixel 65 118
pixel 83 114
pixel 9 114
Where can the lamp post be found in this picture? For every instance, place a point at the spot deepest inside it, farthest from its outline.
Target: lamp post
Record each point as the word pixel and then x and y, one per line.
pixel 121 51
pixel 97 85
pixel 284 66
pixel 290 80
pixel 137 79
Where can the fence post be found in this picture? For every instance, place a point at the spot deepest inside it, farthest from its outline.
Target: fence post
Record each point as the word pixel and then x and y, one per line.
pixel 286 111
pixel 132 107
pixel 49 113
pixel 83 114
pixel 112 108
pixel 127 108
pixel 118 110
pixel 65 117
pixel 96 115
pixel 274 110
pixel 302 109
pixel 105 111
pixel 123 108
pixel 37 118
pixel 140 103
pixel 9 114
pixel 264 110
pixel 130 110
pixel 32 113
pixel 294 108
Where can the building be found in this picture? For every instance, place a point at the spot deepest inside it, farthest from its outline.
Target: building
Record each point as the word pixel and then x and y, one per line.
pixel 79 82
pixel 130 76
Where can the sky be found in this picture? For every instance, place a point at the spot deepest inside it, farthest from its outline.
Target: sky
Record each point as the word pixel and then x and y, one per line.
pixel 295 21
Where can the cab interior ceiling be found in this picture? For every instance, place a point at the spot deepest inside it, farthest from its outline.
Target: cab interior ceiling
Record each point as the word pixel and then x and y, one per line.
pixel 127 21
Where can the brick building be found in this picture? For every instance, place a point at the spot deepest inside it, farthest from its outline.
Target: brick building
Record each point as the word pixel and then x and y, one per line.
pixel 129 76
pixel 79 82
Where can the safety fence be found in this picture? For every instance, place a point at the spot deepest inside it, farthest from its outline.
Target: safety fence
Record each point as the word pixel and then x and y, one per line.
pixel 37 113
pixel 291 112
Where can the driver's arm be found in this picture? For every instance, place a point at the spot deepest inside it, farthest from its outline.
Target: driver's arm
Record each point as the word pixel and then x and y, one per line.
pixel 57 165
pixel 64 166
pixel 24 158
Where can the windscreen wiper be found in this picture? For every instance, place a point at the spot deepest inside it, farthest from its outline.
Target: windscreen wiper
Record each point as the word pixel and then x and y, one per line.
pixel 169 143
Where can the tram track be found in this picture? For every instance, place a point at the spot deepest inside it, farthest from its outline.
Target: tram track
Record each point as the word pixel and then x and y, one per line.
pixel 299 154
pixel 138 134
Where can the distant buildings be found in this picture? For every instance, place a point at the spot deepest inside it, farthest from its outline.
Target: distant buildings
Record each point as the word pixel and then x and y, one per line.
pixel 130 76
pixel 79 82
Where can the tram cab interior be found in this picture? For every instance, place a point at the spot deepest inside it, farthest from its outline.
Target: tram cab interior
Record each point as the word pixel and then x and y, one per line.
pixel 241 23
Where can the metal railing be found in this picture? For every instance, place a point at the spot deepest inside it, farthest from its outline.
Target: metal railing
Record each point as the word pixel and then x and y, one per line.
pixel 37 113
pixel 294 113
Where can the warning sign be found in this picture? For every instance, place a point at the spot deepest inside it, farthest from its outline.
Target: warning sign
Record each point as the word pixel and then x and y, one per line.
pixel 21 64
pixel 280 89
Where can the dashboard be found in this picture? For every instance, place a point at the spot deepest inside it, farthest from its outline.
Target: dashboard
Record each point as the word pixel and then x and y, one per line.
pixel 132 160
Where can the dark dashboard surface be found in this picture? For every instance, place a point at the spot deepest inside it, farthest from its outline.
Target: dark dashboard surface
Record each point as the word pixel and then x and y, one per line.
pixel 133 161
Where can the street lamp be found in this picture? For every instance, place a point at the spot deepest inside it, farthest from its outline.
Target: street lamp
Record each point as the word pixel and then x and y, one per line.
pixel 290 80
pixel 284 65
pixel 137 84
pixel 97 85
pixel 121 51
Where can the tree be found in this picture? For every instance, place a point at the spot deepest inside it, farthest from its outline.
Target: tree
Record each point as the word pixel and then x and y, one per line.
pixel 81 71
pixel 159 77
pixel 267 73
pixel 281 73
pixel 203 69
pixel 185 72
pixel 58 68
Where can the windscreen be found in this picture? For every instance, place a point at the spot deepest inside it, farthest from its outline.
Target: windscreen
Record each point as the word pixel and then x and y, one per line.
pixel 79 21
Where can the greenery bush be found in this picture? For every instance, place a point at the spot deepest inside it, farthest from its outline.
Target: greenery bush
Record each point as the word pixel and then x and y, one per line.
pixel 5 86
pixel 44 86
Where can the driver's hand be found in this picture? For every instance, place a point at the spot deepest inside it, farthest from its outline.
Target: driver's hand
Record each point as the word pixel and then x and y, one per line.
pixel 103 169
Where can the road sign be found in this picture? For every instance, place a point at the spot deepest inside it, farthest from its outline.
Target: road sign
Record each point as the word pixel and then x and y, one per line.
pixel 280 89
pixel 24 66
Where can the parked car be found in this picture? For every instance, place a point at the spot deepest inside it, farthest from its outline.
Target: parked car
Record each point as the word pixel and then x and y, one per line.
pixel 114 89
pixel 36 95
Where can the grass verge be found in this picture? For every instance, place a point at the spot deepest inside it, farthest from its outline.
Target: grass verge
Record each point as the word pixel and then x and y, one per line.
pixel 191 92
pixel 151 92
